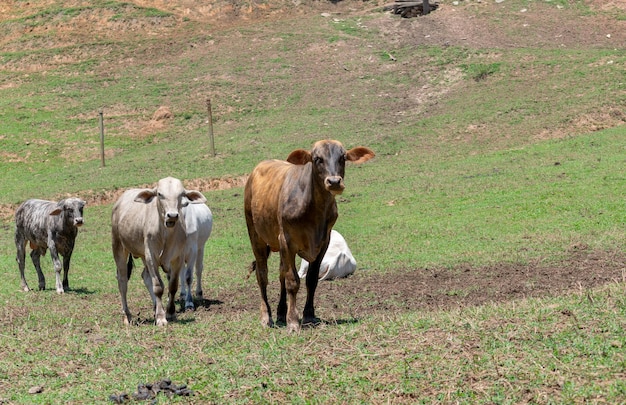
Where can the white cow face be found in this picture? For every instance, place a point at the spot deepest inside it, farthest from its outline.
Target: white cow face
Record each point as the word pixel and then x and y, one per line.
pixel 171 198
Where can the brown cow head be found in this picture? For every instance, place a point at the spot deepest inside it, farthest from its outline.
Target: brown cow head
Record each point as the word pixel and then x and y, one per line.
pixel 172 197
pixel 329 162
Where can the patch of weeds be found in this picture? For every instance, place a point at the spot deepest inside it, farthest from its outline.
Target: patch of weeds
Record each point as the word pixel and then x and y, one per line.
pixel 480 71
pixel 348 28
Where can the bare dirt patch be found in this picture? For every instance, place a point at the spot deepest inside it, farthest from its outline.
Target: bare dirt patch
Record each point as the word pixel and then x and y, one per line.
pixel 433 289
pixel 463 25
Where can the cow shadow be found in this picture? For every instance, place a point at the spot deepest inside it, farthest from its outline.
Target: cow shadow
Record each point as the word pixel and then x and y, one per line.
pixel 198 303
pixel 206 303
pixel 79 291
pixel 319 322
pixel 139 321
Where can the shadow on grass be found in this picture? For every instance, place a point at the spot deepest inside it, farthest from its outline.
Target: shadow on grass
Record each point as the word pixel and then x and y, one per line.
pixel 318 322
pixel 141 322
pixel 206 303
pixel 80 291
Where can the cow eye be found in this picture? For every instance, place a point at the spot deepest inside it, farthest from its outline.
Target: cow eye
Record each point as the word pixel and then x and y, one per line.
pixel 161 196
pixel 318 160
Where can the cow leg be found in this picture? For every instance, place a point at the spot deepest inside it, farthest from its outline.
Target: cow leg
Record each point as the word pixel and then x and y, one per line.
pixel 174 273
pixel 20 244
pixel 35 256
pixel 57 265
pixel 199 269
pixel 186 279
pixel 312 278
pixel 290 283
pixel 154 284
pixel 260 266
pixel 124 263
pixel 66 269
pixel 281 312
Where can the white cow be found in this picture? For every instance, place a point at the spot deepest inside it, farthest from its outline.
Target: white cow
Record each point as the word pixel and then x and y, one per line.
pixel 338 261
pixel 149 223
pixel 199 223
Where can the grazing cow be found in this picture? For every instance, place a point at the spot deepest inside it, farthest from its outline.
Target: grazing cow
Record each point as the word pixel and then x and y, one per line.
pixel 48 225
pixel 290 208
pixel 149 223
pixel 198 225
pixel 338 261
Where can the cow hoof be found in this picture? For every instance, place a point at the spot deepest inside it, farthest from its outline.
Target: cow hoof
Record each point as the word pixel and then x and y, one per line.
pixel 293 328
pixel 25 288
pixel 161 322
pixel 42 287
pixel 190 307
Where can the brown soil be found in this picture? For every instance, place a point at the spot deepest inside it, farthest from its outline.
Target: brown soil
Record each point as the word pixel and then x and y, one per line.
pixel 364 293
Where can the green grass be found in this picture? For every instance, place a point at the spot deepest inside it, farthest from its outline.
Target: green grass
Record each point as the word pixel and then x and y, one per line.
pixel 484 156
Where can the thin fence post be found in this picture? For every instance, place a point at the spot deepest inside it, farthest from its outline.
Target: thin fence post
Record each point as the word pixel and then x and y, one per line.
pixel 211 140
pixel 101 113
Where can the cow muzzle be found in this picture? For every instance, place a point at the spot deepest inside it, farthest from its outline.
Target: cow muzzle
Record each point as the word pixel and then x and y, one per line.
pixel 78 222
pixel 170 219
pixel 334 184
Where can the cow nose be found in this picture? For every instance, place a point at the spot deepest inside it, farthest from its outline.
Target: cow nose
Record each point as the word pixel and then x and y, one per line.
pixel 170 219
pixel 78 221
pixel 334 184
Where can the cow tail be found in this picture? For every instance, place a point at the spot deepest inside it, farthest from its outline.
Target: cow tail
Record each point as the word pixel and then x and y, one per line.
pixel 130 265
pixel 251 269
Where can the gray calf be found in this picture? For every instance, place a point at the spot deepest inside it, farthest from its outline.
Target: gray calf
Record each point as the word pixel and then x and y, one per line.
pixel 48 225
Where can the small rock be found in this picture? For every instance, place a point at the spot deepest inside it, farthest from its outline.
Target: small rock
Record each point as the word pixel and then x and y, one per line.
pixel 35 390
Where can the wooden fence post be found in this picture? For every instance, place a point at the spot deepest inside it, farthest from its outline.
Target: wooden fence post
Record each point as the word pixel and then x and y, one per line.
pixel 211 140
pixel 101 113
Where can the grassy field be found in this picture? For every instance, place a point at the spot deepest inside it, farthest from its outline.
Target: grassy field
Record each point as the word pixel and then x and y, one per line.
pixel 488 154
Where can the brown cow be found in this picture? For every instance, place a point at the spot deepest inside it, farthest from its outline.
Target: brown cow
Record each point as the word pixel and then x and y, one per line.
pixel 290 208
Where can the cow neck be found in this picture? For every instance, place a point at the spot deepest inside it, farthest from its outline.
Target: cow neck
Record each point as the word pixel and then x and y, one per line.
pixel 168 238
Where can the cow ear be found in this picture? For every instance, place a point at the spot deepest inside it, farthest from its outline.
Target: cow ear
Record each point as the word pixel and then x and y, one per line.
pixel 360 154
pixel 195 197
pixel 145 196
pixel 56 211
pixel 299 157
